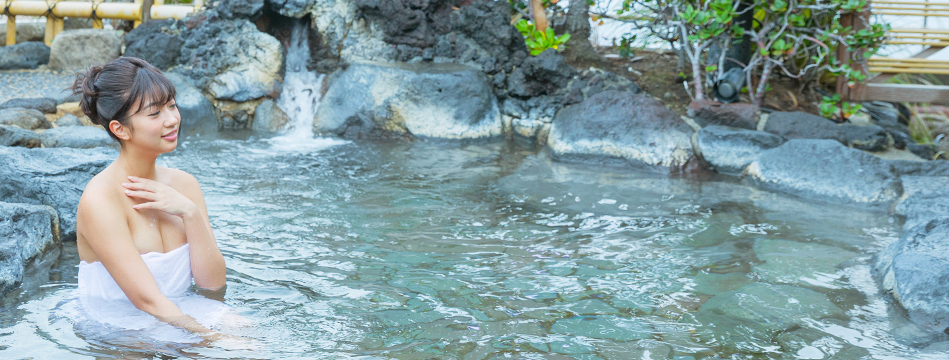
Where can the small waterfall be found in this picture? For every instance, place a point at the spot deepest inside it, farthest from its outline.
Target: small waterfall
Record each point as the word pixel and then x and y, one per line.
pixel 300 96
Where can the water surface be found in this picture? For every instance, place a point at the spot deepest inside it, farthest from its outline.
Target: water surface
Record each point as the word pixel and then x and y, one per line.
pixel 481 251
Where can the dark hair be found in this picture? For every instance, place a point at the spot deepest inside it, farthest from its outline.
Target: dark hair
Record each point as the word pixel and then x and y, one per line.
pixel 109 92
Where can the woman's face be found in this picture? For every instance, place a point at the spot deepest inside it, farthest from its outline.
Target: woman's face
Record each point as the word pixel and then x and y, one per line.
pixel 155 127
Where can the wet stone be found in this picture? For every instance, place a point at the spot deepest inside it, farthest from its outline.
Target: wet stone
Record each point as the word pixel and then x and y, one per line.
pixel 713 284
pixel 604 327
pixel 15 136
pixel 796 263
pixel 924 198
pixel 752 315
pixel 77 137
pixel 592 307
pixel 730 150
pixel 809 343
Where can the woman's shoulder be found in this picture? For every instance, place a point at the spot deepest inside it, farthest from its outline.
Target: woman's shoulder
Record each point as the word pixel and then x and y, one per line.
pixel 178 179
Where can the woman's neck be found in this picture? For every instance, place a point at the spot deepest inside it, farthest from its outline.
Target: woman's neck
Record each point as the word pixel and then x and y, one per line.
pixel 136 163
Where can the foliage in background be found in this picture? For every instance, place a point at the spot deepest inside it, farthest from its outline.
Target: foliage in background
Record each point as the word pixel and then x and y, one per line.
pixel 537 41
pixel 537 35
pixel 798 38
pixel 832 108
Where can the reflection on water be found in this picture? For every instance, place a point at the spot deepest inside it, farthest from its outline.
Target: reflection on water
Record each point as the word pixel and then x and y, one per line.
pixel 422 250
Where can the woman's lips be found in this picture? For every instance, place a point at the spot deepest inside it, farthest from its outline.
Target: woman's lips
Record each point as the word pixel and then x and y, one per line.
pixel 172 136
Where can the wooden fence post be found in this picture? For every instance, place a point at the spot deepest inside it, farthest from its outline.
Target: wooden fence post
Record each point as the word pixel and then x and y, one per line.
pixel 858 92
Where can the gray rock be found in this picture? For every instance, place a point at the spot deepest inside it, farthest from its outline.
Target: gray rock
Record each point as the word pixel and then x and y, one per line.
pixel 800 125
pixel 291 8
pixel 197 114
pixel 737 115
pixel 25 118
pixel 25 55
pixel 15 136
pixel 797 263
pixel 238 9
pixel 78 49
pixel 269 118
pixel 810 343
pixel 77 137
pixel 543 74
pixel 730 150
pixel 52 177
pixel 25 31
pixel 445 101
pixel 594 81
pixel 924 198
pixel 921 168
pixel 634 129
pixel 68 120
pixel 44 105
pixel 915 270
pixel 26 232
pixel 828 171
pixel 231 59
pixel 758 311
pixel 156 41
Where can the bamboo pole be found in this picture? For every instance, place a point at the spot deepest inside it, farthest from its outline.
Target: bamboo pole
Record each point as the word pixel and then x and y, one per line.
pixel 11 30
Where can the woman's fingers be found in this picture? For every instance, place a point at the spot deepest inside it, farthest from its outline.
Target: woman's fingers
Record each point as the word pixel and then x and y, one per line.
pixel 145 195
pixel 147 206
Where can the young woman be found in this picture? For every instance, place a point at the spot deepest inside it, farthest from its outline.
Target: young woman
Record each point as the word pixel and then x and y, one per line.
pixel 142 229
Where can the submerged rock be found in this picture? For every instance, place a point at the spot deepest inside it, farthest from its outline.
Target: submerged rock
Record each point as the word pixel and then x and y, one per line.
pixel 758 311
pixel 15 136
pixel 634 129
pixel 54 177
pixel 25 118
pixel 443 101
pixel 77 137
pixel 730 150
pixel 24 55
pixel 915 270
pixel 827 171
pixel 44 105
pixel 81 48
pixel 800 125
pixel 26 231
pixel 797 263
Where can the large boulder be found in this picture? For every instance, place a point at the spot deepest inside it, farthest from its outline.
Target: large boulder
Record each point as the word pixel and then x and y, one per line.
pixel 543 74
pixel 53 177
pixel 197 114
pixel 915 270
pixel 80 137
pixel 828 171
pixel 16 136
pixel 730 149
pixel 44 105
pixel 78 49
pixel 26 231
pixel 25 31
pixel 25 118
pixel 924 198
pixel 611 126
pixel 26 55
pixel 156 41
pixel 445 101
pixel 231 60
pixel 800 125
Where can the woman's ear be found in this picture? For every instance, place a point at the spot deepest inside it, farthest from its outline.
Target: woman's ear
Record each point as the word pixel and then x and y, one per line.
pixel 121 131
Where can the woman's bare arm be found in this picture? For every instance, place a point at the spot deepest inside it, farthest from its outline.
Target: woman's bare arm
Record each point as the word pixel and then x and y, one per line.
pixel 97 220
